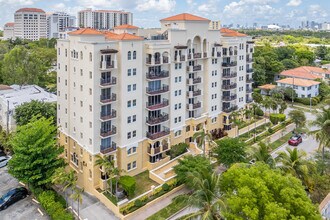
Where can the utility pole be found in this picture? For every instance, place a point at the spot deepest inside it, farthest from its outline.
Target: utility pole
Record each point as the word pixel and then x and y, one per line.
pixel 292 90
pixel 7 117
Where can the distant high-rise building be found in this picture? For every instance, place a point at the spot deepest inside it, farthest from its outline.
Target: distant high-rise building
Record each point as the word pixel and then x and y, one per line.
pixel 58 22
pixel 30 23
pixel 215 25
pixel 8 30
pixel 325 26
pixel 103 19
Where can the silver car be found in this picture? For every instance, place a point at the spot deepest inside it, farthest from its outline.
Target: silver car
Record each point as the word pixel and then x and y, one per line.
pixel 4 160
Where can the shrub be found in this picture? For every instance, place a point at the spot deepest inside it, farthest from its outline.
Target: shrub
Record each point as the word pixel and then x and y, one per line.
pixel 177 150
pixel 270 130
pixel 138 203
pixel 165 187
pixel 259 112
pixel 275 118
pixel 257 90
pixel 307 101
pixel 128 183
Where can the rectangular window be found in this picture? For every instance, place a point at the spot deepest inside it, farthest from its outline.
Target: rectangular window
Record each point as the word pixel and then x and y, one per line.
pixel 129 135
pixel 128 166
pixel 134 71
pixel 134 87
pixel 134 164
pixel 129 88
pixel 134 118
pixel 129 104
pixel 129 72
pixel 134 102
pixel 134 133
pixel 128 119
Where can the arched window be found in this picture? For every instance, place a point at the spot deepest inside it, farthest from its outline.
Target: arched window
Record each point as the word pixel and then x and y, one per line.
pixel 134 55
pixel 129 55
pixel 90 57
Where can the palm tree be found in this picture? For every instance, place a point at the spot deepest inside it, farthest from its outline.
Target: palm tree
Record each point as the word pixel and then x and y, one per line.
pixel 262 154
pixel 322 134
pixel 202 137
pixel 267 102
pixel 108 167
pixel 77 196
pixel 273 105
pixel 205 196
pixel 60 178
pixel 235 116
pixel 283 106
pixel 70 182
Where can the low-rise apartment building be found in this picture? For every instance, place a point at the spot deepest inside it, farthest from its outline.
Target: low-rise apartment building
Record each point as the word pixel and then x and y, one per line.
pixel 130 98
pixel 8 31
pixel 303 87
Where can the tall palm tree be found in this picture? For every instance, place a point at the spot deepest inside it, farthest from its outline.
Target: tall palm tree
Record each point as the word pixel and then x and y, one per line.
pixel 205 196
pixel 60 178
pixel 70 182
pixel 108 167
pixel 235 119
pixel 262 154
pixel 77 196
pixel 202 137
pixel 267 103
pixel 322 134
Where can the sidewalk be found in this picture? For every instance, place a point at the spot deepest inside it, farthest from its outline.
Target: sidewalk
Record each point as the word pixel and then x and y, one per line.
pixel 252 126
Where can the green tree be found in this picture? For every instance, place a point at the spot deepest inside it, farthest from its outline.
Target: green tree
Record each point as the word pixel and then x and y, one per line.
pixel 28 110
pixel 283 107
pixel 258 192
pixel 321 52
pixel 229 151
pixel 191 164
pixel 259 75
pixel 205 196
pixel 289 64
pixel 36 153
pixel 261 153
pixel 257 97
pixel 77 196
pixel 202 137
pixel 108 168
pixel 298 117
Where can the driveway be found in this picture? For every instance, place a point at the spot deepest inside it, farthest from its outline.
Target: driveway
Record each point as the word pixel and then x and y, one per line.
pixel 24 209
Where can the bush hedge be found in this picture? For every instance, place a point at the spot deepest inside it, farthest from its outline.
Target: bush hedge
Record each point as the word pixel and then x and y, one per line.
pixel 276 118
pixel 53 203
pixel 259 112
pixel 129 184
pixel 177 150
pixel 307 101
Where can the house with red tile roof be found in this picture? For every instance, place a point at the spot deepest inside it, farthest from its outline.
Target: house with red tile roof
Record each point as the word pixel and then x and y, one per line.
pixel 303 87
pixel 307 72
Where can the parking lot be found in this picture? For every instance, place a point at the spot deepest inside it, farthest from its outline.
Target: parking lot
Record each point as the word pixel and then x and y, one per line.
pixel 24 209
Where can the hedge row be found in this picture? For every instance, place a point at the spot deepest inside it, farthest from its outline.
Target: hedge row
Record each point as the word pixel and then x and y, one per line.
pixel 276 118
pixel 308 101
pixel 53 203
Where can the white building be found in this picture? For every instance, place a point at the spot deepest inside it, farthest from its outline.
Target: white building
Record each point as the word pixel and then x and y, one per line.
pixel 30 24
pixel 325 26
pixel 13 96
pixel 132 97
pixel 103 19
pixel 324 207
pixel 215 25
pixel 58 22
pixel 303 87
pixel 8 31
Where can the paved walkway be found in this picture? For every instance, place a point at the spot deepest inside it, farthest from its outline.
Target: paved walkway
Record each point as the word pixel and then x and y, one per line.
pixel 252 126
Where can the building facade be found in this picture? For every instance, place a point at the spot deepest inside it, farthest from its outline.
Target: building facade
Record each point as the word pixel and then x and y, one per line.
pixel 103 19
pixel 8 31
pixel 130 98
pixel 58 22
pixel 303 87
pixel 215 25
pixel 30 24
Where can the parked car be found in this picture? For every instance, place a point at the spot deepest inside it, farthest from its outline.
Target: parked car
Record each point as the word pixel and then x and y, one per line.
pixel 12 196
pixel 295 140
pixel 4 160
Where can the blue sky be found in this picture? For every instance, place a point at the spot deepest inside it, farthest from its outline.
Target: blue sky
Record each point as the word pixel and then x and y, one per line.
pixel 147 13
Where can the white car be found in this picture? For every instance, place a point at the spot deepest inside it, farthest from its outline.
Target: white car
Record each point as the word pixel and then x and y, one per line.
pixel 4 160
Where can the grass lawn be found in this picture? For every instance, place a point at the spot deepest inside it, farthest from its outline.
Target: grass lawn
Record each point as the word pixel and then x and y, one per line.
pixel 143 183
pixel 112 198
pixel 169 210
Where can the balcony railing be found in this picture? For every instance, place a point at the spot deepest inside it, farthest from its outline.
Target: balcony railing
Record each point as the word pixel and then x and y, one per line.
pixel 228 87
pixel 157 119
pixel 108 116
pixel 216 54
pixel 194 93
pixel 165 147
pixel 180 58
pixel 230 109
pixel 249 60
pixel 108 99
pixel 107 133
pixel 234 63
pixel 159 134
pixel 229 98
pixel 249 70
pixel 108 82
pixel 194 81
pixel 195 56
pixel 249 90
pixel 155 91
pixel 108 149
pixel 194 106
pixel 249 80
pixel 157 75
pixel 229 75
pixel 194 68
pixel 104 65
pixel 249 100
pixel 154 106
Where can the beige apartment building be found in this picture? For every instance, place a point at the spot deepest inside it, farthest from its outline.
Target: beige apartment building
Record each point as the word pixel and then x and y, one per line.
pixel 130 97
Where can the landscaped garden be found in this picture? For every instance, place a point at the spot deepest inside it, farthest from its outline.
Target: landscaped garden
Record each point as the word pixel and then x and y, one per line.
pixel 143 183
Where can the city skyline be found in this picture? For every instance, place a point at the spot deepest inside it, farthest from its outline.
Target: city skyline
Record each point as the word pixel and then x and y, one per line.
pixel 146 13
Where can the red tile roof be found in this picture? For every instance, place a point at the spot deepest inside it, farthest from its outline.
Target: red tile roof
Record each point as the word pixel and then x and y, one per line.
pixel 267 87
pixel 185 17
pixel 306 72
pixel 225 32
pixel 10 24
pixel 126 26
pixel 298 82
pixel 125 36
pixel 30 10
pixel 86 31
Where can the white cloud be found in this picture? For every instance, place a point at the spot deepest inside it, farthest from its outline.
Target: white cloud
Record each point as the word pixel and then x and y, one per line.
pixel 164 6
pixel 18 2
pixel 294 3
pixel 209 7
pixel 316 11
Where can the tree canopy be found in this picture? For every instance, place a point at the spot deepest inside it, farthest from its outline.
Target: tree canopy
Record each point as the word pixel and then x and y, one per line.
pixel 229 151
pixel 298 117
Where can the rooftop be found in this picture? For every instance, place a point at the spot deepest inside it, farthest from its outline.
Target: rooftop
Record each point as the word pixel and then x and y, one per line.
pixel 185 17
pixel 86 31
pixel 267 87
pixel 30 10
pixel 298 82
pixel 109 35
pixel 17 96
pixel 10 24
pixel 225 32
pixel 126 26
pixel 306 72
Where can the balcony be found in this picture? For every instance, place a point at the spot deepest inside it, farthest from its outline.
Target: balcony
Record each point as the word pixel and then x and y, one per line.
pixel 194 68
pixel 108 82
pixel 108 133
pixel 231 64
pixel 249 70
pixel 108 149
pixel 249 60
pixel 180 58
pixel 230 109
pixel 194 93
pixel 229 75
pixel 157 75
pixel 229 98
pixel 107 65
pixel 249 100
pixel 108 116
pixel 216 54
pixel 156 106
pixel 157 119
pixel 249 80
pixel 194 81
pixel 228 87
pixel 159 134
pixel 156 91
pixel 165 60
pixel 249 90
pixel 195 56
pixel 108 99
pixel 194 106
